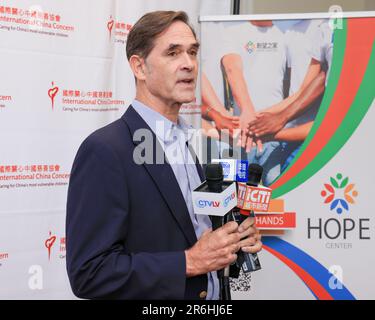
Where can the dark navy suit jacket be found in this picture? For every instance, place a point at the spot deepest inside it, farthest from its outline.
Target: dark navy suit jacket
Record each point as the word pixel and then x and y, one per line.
pixel 127 225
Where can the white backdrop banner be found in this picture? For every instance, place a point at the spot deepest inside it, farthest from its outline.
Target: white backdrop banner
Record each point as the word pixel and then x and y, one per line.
pixel 64 74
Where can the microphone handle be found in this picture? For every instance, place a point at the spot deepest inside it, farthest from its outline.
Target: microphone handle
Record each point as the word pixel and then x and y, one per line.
pixel 225 286
pixel 248 261
pixel 217 222
pixel 222 274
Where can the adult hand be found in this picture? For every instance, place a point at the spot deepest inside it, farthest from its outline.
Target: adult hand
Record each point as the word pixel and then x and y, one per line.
pixel 245 140
pixel 267 123
pixel 250 236
pixel 214 250
pixel 225 122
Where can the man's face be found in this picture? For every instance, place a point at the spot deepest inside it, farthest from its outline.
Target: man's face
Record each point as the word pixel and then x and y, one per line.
pixel 171 67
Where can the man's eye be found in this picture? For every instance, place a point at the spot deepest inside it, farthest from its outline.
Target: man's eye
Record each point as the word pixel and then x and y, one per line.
pixel 194 53
pixel 172 53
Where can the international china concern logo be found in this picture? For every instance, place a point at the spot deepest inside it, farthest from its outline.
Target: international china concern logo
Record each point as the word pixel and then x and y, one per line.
pixel 52 92
pixel 118 29
pixel 49 243
pixel 339 194
pixel 110 24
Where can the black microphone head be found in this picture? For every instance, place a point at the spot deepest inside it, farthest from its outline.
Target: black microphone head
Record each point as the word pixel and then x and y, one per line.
pixel 214 172
pixel 255 174
pixel 214 177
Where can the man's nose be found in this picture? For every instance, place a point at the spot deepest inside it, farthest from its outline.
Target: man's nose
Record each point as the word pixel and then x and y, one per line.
pixel 189 62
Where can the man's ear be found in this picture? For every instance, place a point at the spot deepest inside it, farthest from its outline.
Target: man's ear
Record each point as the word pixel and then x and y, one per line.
pixel 137 65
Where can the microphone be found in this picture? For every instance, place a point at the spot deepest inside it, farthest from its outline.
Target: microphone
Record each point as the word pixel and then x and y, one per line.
pixel 250 198
pixel 234 170
pixel 216 198
pixel 214 180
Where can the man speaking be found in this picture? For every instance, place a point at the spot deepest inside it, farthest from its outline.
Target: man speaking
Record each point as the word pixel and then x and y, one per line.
pixel 131 232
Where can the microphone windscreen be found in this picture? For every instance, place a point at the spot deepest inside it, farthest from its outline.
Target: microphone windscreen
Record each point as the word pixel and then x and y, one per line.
pixel 255 174
pixel 214 172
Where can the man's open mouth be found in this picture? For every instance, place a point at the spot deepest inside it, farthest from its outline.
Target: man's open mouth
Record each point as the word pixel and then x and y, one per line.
pixel 186 81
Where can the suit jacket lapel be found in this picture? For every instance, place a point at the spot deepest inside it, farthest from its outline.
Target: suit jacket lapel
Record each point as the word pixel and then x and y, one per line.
pixel 163 177
pixel 197 164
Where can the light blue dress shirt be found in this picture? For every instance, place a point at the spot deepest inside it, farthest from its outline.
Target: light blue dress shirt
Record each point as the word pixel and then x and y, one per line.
pixel 174 138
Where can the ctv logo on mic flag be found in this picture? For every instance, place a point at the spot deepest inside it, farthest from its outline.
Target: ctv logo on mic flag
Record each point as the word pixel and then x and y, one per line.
pixel 253 198
pixel 215 204
pixel 202 203
pixel 206 203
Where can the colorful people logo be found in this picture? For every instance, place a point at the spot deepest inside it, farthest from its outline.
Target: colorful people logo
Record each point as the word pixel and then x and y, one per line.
pixel 339 194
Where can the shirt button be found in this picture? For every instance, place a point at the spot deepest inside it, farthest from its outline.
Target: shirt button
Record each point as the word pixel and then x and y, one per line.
pixel 203 294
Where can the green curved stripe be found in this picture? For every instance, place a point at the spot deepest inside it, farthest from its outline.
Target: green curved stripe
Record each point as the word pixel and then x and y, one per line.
pixel 361 104
pixel 339 46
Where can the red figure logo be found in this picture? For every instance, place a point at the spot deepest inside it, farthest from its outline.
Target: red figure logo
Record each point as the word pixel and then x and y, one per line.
pixel 52 93
pixel 110 26
pixel 49 243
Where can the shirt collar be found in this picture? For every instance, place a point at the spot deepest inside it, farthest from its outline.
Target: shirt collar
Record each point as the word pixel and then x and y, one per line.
pixel 165 129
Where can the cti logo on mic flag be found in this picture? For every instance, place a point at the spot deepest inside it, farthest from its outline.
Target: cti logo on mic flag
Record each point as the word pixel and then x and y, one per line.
pixel 52 93
pixel 253 198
